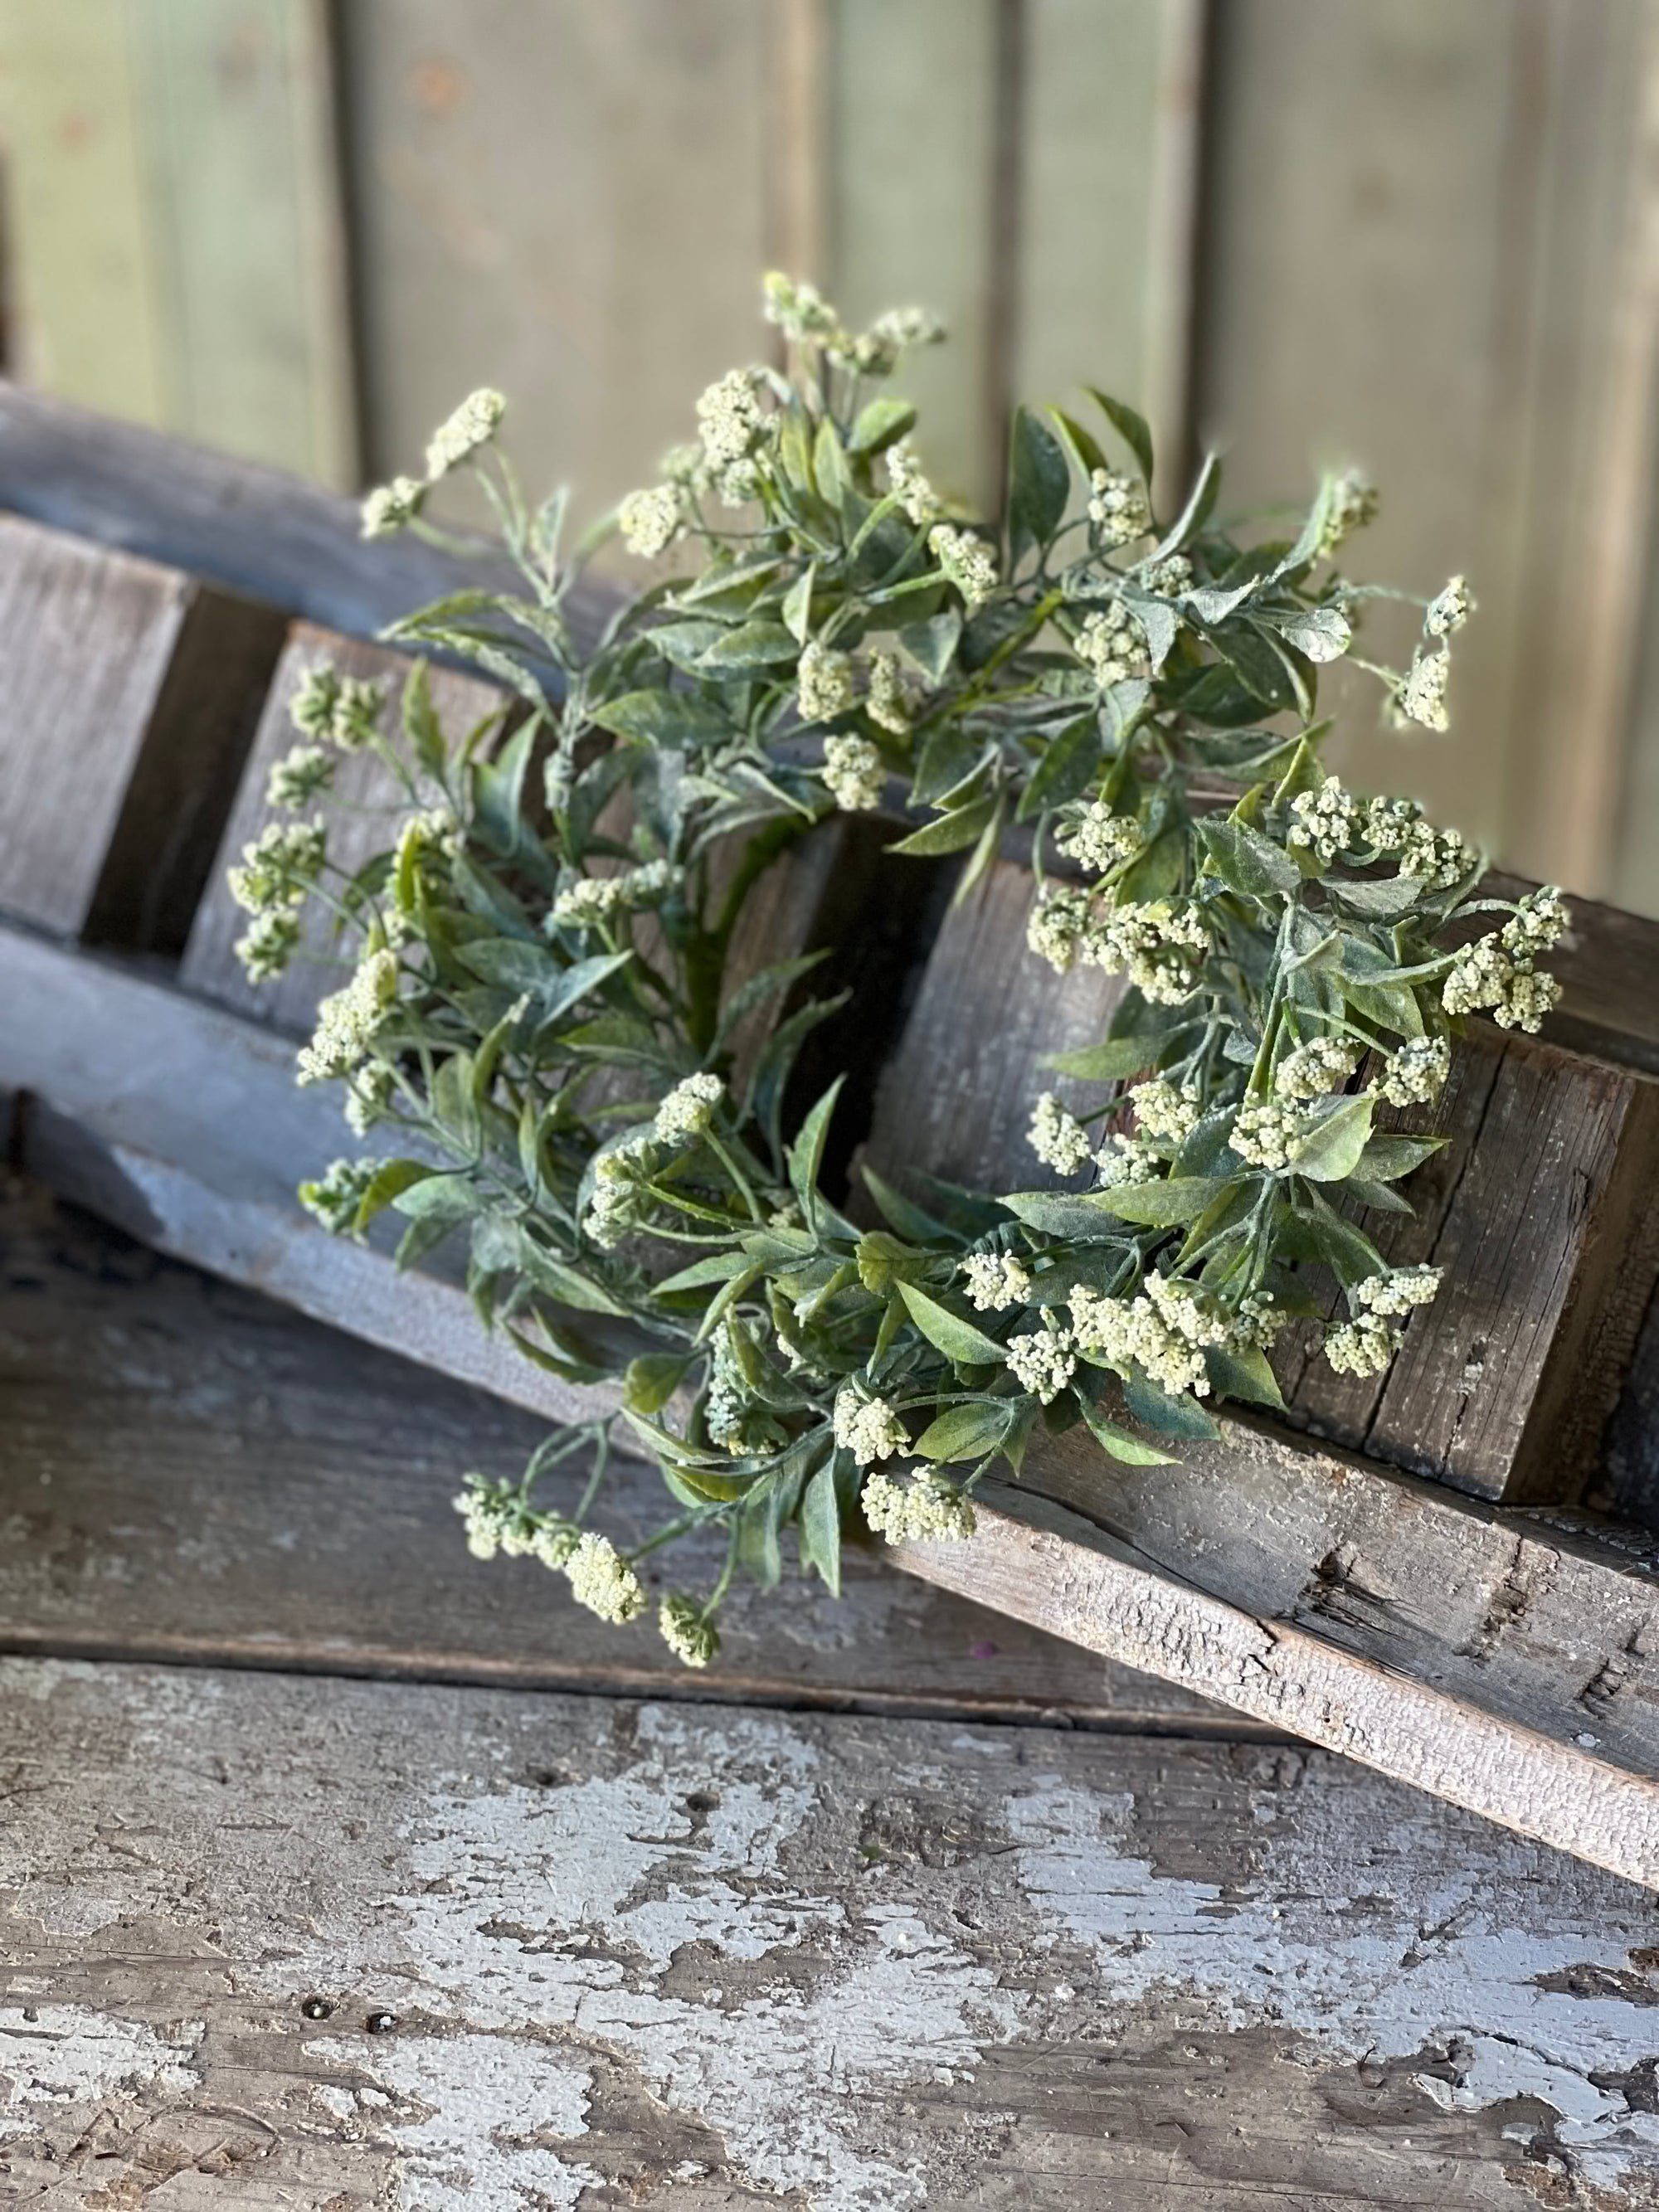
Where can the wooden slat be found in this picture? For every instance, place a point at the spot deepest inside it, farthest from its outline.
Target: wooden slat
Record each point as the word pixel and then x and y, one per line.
pixel 709 1960
pixel 237 115
pixel 177 220
pixel 131 693
pixel 118 1469
pixel 366 805
pixel 1535 1623
pixel 249 529
pixel 1432 264
pixel 1536 1210
pixel 565 201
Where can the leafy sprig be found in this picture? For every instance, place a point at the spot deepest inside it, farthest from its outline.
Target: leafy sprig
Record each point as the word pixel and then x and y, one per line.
pixel 543 1025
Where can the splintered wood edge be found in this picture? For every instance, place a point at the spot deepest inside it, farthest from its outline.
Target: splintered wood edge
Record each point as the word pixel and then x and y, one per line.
pixel 1049 1568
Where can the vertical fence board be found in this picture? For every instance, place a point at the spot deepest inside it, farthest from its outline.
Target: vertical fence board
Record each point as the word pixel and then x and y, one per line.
pixel 912 151
pixel 565 201
pixel 238 110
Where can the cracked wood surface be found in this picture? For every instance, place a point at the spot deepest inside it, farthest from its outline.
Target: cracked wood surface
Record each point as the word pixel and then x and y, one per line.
pixel 350 1948
pixel 191 1472
pixel 1368 1563
pixel 1536 1210
pixel 131 692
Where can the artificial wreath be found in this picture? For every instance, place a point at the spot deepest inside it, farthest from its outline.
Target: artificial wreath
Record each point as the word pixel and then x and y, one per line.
pixel 537 1027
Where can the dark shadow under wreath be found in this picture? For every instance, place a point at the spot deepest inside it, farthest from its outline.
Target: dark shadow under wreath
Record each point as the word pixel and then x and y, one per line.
pixel 538 1027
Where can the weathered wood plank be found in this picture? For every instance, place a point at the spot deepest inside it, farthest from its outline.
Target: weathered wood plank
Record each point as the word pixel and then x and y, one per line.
pixel 248 529
pixel 1535 1622
pixel 131 693
pixel 152 1415
pixel 369 801
pixel 713 1960
pixel 1535 1209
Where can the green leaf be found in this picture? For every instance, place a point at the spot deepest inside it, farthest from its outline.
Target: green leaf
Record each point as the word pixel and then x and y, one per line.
pixel 820 1528
pixel 1107 1062
pixel 1247 862
pixel 1171 1416
pixel 1337 1143
pixel 569 1285
pixel 1161 1204
pixel 717 1267
pixel 392 1178
pixel 664 718
pixel 949 1333
pixel 1065 767
pixel 575 983
pixel 880 423
pixel 751 645
pixel 1389 1156
pixel 933 644
pixel 1130 427
pixel 1039 483
pixel 1383 901
pixel 1242 1372
pixel 797 609
pixel 421 724
pixel 951 831
pixel 1193 515
pixel 452 1105
pixel 1318 1232
pixel 511 964
pixel 650 1381
pixel 1066 1216
pixel 898 1212
pixel 966 1432
pixel 1322 633
pixel 807 1153
pixel 439 1197
pixel 1122 1443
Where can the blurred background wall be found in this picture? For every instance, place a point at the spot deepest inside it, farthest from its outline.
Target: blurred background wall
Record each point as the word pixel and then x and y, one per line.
pixel 1419 234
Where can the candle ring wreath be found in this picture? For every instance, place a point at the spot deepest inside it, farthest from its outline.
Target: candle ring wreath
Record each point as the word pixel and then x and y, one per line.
pixel 538 1023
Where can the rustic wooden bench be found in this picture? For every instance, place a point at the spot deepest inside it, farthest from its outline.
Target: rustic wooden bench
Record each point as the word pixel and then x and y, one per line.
pixel 1099 1961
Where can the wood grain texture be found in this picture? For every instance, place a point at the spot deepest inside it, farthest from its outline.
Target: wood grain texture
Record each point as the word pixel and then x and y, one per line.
pixel 248 529
pixel 566 202
pixel 1541 1624
pixel 131 693
pixel 152 1415
pixel 719 1960
pixel 368 802
pixel 1425 269
pixel 1536 1210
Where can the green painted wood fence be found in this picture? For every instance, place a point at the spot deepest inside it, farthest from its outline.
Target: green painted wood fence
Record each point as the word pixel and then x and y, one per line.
pixel 1421 236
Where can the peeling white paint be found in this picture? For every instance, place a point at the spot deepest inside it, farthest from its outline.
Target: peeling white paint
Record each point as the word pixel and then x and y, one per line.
pixel 485 2108
pixel 67 2054
pixel 1318 1961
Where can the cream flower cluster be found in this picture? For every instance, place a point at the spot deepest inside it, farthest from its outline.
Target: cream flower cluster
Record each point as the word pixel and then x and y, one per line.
pixel 688 1109
pixel 994 1280
pixel 1326 821
pixel 869 1428
pixel 279 866
pixel 1497 972
pixel 1112 646
pixel 801 312
pixel 1057 1137
pixel 910 485
pixel 887 701
pixel 1163 1110
pixel 693 1639
pixel 1267 1134
pixel 303 774
pixel 1367 1345
pixel 1422 694
pixel 853 775
pixel 1042 1361
pixel 1415 1074
pixel 1311 1070
pixel 616 1190
pixel 1123 1159
pixel 1164 1330
pixel 602 1580
pixel 824 681
pixel 966 561
pixel 650 521
pixel 335 1196
pixel 341 710
pixel 347 1020
pixel 1158 942
pixel 1118 506
pixel 392 506
pixel 472 425
pixel 1449 609
pixel 1351 503
pixel 925 1511
pixel 1437 857
pixel 1098 838
pixel 497 1521
pixel 592 901
pixel 732 423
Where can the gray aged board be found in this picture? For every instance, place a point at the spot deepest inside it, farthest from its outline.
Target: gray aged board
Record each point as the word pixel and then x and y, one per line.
pixel 620 1953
